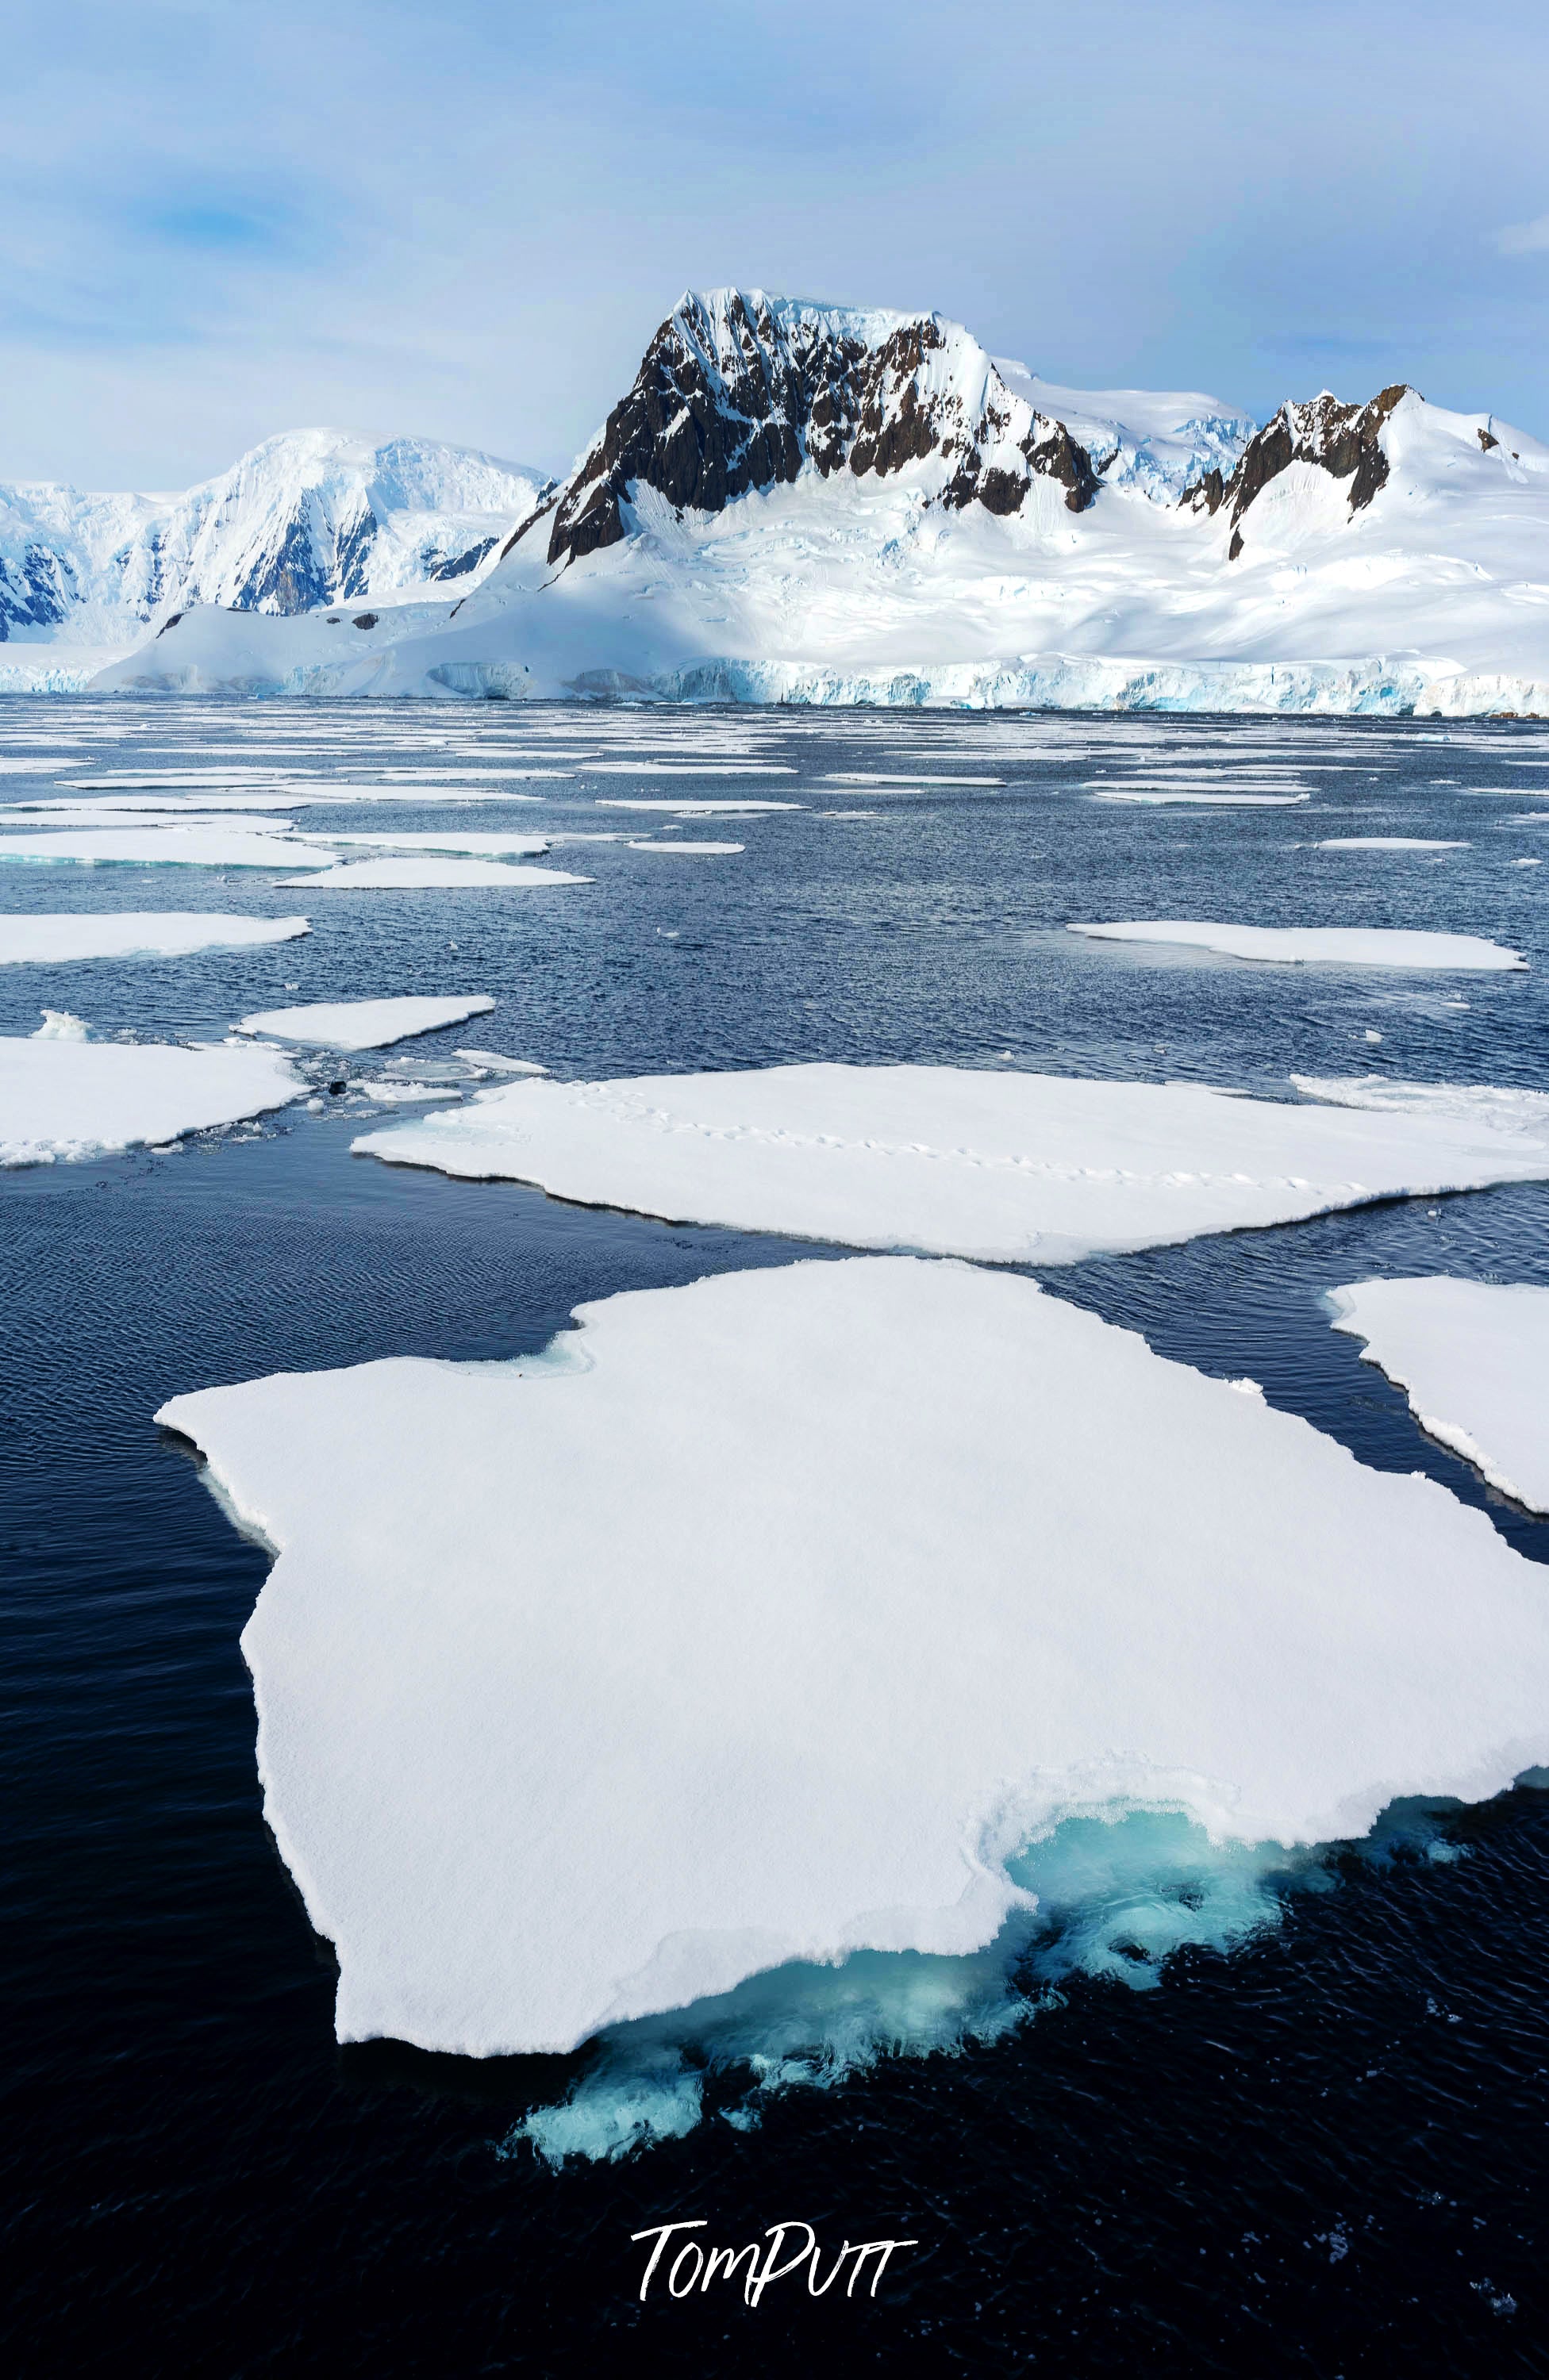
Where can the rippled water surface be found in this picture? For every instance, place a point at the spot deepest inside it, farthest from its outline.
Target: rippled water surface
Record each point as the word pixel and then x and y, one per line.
pixel 1325 2150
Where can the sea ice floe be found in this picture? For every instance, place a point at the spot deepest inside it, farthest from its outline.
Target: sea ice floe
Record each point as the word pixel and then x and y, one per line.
pixel 173 845
pixel 1147 799
pixel 363 1024
pixel 1004 1166
pixel 59 1024
pixel 48 938
pixel 700 809
pixel 770 1619
pixel 475 843
pixel 700 850
pixel 1384 946
pixel 1473 1358
pixel 69 1099
pixel 1387 843
pixel 403 875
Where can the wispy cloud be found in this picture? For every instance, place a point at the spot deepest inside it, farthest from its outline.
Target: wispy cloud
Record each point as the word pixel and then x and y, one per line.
pixel 1524 240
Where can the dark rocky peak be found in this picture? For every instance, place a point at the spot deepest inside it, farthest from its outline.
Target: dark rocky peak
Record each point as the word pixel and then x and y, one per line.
pixel 1344 440
pixel 739 391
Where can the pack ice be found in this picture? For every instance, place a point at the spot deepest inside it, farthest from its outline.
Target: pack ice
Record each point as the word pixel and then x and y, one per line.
pixel 47 938
pixel 1473 1358
pixel 71 1099
pixel 362 1024
pixel 1389 946
pixel 1008 1167
pixel 768 1619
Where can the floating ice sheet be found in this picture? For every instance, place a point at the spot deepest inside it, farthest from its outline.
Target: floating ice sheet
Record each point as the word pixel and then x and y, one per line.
pixel 68 1099
pixel 136 933
pixel 363 1024
pixel 691 850
pixel 474 843
pixel 1008 1167
pixel 1386 843
pixel 558 1727
pixel 1384 946
pixel 1473 1358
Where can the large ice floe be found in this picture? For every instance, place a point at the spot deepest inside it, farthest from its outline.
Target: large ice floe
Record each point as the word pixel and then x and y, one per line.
pixel 54 938
pixel 363 1024
pixel 61 1098
pixel 1473 1358
pixel 1008 1167
pixel 769 1618
pixel 1381 946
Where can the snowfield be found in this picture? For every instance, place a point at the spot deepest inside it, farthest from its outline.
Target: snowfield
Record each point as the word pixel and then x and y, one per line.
pixel 1473 1358
pixel 1005 1167
pixel 557 1729
pixel 63 1097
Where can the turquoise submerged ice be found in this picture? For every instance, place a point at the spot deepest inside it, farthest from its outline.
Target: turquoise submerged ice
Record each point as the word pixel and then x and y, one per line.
pixel 774 1625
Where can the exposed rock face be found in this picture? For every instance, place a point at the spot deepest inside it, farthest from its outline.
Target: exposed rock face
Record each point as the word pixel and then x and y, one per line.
pixel 36 589
pixel 738 391
pixel 1344 440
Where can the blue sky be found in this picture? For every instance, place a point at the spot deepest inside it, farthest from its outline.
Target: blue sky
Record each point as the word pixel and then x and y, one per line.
pixel 465 220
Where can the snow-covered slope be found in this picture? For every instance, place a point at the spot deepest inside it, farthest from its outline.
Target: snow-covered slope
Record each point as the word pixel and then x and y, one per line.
pixel 312 517
pixel 812 503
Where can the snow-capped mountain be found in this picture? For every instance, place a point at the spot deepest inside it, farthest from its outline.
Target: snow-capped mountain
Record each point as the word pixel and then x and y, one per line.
pixel 312 517
pixel 803 502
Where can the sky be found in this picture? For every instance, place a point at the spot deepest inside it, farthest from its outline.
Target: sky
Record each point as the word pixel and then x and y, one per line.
pixel 465 220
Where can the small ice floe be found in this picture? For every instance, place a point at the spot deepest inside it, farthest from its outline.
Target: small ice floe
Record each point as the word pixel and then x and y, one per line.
pixel 925 783
pixel 429 874
pixel 59 1024
pixel 515 847
pixel 702 810
pixel 1387 843
pixel 1387 946
pixel 1160 794
pixel 173 845
pixel 1473 1359
pixel 947 1541
pixel 363 1024
pixel 689 769
pixel 691 850
pixel 49 939
pixel 973 1161
pixel 66 1098
pixel 499 1064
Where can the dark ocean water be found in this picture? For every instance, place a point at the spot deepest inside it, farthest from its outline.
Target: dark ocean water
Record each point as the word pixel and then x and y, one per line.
pixel 1325 2151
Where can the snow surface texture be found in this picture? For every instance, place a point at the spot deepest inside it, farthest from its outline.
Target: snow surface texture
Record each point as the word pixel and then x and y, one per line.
pixel 362 1024
pixel 998 566
pixel 1473 1359
pixel 946 1542
pixel 1379 946
pixel 45 940
pixel 404 875
pixel 314 517
pixel 1006 1167
pixel 63 1097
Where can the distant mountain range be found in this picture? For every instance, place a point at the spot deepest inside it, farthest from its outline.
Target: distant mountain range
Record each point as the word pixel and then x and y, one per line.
pixel 810 503
pixel 312 517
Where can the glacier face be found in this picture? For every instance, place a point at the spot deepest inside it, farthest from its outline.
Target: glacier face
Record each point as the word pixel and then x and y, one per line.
pixel 804 503
pixel 314 517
